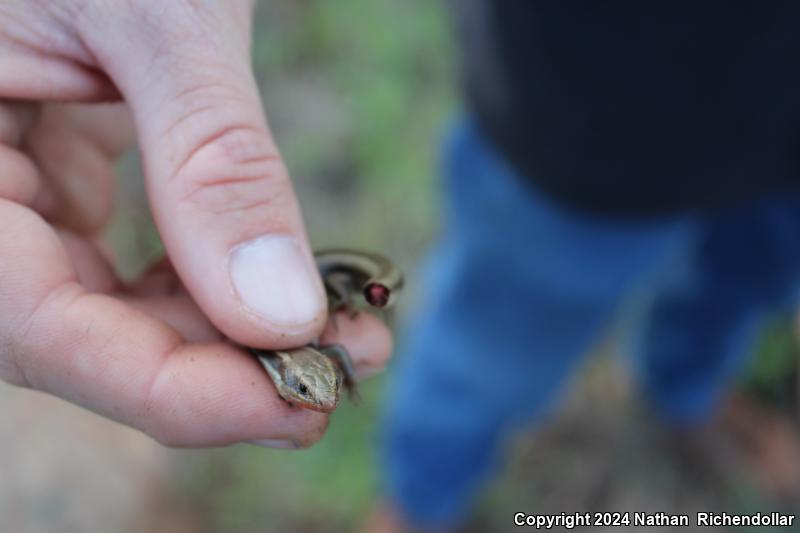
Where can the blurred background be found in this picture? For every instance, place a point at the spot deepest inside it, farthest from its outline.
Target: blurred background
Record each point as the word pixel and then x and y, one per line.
pixel 358 110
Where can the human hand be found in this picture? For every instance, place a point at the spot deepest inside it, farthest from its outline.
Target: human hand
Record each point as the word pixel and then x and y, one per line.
pixel 151 354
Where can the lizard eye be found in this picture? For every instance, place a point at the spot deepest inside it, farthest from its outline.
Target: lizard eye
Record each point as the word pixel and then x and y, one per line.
pixel 303 389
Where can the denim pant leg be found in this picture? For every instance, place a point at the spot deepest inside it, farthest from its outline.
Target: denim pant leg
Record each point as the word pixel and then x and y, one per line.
pixel 515 292
pixel 743 265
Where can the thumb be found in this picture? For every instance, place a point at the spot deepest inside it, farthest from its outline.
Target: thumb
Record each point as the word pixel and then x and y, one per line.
pixel 218 188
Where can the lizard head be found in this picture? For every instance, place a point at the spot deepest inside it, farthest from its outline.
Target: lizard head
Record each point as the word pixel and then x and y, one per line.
pixel 312 380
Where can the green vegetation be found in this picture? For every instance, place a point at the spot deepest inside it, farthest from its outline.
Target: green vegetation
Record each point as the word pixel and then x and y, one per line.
pixel 357 93
pixel 773 374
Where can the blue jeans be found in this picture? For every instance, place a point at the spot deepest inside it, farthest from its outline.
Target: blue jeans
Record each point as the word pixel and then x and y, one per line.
pixel 517 290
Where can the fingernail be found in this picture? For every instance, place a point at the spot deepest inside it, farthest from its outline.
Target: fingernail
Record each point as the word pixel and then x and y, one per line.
pixel 275 443
pixel 273 279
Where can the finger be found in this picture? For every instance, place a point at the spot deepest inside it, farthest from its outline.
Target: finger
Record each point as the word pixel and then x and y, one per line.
pixel 367 339
pixel 160 279
pixel 79 173
pixel 100 353
pixel 180 312
pixel 42 57
pixel 220 193
pixel 16 118
pixel 66 80
pixel 107 126
pixel 20 180
pixel 160 294
pixel 92 269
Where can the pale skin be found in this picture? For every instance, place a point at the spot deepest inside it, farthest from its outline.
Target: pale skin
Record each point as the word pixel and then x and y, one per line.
pixel 152 354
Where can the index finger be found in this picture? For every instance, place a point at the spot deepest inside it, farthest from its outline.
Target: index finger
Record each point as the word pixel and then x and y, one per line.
pixel 113 359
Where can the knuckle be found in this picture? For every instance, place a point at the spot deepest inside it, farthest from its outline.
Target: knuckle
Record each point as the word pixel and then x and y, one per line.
pixel 18 354
pixel 234 172
pixel 239 145
pixel 209 118
pixel 236 195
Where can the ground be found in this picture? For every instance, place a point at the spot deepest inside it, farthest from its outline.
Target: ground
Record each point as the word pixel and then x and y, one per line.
pixel 65 469
pixel 358 92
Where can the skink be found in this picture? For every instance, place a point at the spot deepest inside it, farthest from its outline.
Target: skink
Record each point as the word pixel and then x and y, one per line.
pixel 312 376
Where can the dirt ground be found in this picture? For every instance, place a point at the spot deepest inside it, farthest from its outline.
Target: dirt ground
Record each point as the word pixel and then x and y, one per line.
pixel 67 470
pixel 604 453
